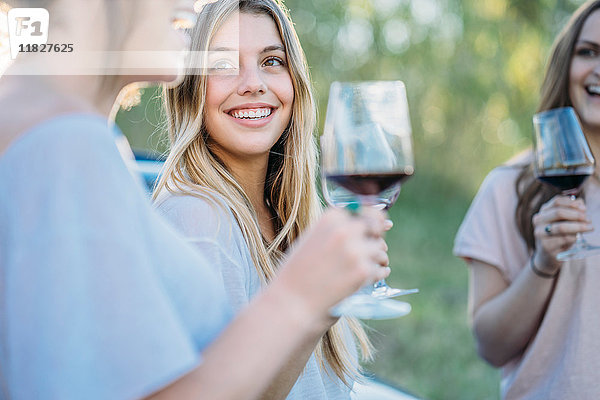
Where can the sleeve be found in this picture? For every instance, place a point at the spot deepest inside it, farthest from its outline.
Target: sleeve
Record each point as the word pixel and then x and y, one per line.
pixel 86 313
pixel 209 226
pixel 489 231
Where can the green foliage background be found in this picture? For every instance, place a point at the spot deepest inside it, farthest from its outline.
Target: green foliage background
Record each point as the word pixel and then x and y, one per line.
pixel 472 70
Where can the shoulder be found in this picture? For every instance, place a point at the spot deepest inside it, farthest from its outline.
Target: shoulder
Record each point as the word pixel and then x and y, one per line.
pixel 72 156
pixel 191 203
pixel 501 182
pixel 68 135
pixel 489 231
pixel 17 120
pixel 197 213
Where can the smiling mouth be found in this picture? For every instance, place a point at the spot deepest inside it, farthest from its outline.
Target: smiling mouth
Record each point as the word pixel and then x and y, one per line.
pixel 252 113
pixel 593 90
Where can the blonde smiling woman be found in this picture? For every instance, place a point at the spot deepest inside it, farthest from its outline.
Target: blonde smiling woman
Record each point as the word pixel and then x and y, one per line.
pixel 240 177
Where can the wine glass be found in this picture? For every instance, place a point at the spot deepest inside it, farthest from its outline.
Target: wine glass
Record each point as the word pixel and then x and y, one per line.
pixel 366 150
pixel 562 158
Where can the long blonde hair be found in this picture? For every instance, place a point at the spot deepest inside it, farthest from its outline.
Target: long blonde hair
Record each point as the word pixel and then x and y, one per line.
pixel 290 191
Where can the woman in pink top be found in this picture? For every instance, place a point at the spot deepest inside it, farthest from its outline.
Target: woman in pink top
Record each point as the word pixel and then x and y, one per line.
pixel 532 315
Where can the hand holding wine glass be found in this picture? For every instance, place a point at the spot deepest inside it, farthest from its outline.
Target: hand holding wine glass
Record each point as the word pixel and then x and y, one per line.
pixel 562 159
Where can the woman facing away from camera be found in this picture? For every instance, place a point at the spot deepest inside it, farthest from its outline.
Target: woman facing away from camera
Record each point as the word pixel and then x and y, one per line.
pixel 240 177
pixel 532 315
pixel 99 298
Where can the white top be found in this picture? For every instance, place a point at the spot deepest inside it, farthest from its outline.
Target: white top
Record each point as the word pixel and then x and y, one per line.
pixel 99 297
pixel 214 229
pixel 563 359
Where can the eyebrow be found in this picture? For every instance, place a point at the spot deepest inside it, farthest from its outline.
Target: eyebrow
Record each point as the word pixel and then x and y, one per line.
pixel 588 42
pixel 273 47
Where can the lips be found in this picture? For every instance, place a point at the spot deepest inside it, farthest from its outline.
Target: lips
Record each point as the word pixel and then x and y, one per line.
pixel 251 113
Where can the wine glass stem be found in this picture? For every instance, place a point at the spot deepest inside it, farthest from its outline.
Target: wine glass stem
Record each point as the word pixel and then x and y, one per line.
pixel 579 240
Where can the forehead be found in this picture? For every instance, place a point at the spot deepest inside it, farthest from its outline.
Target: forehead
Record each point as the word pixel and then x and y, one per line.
pixel 244 30
pixel 591 28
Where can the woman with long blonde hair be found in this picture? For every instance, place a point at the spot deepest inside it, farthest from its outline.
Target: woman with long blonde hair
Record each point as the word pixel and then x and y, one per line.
pixel 240 176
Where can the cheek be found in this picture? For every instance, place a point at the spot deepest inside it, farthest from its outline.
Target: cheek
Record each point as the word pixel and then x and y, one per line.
pixel 285 94
pixel 576 76
pixel 288 92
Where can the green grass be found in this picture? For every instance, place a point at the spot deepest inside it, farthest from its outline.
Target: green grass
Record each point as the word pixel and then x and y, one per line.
pixel 431 352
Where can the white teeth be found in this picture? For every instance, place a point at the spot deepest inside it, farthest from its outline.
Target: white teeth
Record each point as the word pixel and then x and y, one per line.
pixel 252 114
pixel 594 89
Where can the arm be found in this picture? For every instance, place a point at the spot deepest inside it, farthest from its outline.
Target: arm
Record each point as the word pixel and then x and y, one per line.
pixel 287 377
pixel 250 353
pixel 506 317
pixel 336 258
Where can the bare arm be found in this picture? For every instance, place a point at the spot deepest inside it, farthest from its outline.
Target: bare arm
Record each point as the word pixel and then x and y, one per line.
pixel 506 317
pixel 288 375
pixel 249 354
pixel 336 259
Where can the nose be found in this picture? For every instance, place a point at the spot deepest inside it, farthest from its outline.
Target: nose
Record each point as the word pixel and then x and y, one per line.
pixel 251 81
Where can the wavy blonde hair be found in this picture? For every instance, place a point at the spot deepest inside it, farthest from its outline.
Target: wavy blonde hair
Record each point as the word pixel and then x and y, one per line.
pixel 290 191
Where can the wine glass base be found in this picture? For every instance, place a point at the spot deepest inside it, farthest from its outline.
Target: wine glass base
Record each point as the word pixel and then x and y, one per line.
pixel 579 252
pixel 386 292
pixel 364 306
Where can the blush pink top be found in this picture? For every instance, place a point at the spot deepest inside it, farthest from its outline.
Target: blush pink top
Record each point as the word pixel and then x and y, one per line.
pixel 562 361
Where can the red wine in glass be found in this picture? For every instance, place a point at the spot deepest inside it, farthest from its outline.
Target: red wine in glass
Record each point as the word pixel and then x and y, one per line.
pixel 369 184
pixel 567 180
pixel 563 159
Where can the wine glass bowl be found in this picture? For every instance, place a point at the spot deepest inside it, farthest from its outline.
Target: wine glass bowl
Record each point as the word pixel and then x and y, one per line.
pixel 563 159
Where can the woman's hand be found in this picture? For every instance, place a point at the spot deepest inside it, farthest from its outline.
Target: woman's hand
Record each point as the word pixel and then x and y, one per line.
pixel 555 228
pixel 336 257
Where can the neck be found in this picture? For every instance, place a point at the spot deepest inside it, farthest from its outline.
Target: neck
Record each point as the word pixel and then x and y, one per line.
pixel 251 175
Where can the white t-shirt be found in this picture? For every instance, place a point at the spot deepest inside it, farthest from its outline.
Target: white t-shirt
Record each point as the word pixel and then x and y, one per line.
pixel 99 297
pixel 214 229
pixel 563 359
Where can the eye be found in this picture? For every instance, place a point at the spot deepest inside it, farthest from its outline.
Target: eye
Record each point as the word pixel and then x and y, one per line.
pixel 273 62
pixel 586 52
pixel 222 65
